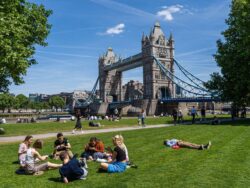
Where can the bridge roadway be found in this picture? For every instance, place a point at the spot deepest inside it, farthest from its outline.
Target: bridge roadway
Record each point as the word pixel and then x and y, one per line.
pixel 126 64
pixel 118 104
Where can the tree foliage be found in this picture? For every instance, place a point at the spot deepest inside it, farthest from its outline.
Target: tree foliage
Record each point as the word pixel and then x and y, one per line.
pixel 6 101
pixel 233 57
pixel 56 102
pixel 21 101
pixel 22 26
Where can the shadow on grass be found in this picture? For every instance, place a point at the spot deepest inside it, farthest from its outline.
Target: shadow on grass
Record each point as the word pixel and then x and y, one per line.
pixel 15 162
pixel 55 179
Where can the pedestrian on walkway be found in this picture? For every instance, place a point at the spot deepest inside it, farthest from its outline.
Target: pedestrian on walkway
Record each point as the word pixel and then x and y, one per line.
pixel 203 114
pixel 193 114
pixel 78 124
pixel 174 114
pixel 143 116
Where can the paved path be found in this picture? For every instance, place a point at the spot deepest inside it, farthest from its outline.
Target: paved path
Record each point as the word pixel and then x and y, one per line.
pixel 48 135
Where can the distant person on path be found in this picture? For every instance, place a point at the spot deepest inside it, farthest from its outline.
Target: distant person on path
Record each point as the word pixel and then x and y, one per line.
pixel 193 114
pixel 143 116
pixel 60 145
pixel 174 114
pixel 180 116
pixel 72 169
pixel 23 147
pixel 78 124
pixel 119 158
pixel 175 144
pixel 30 160
pixel 203 114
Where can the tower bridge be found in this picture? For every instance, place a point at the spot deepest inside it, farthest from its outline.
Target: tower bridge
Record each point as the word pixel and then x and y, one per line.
pixel 160 85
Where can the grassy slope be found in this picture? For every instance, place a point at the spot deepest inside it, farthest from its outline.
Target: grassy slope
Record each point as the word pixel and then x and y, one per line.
pixel 226 164
pixel 44 127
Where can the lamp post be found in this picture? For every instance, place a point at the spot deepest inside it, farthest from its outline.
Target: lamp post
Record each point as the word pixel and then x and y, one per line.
pixel 161 107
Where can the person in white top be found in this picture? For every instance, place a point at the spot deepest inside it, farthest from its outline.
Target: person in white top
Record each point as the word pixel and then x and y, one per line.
pixel 143 116
pixel 32 154
pixel 23 147
pixel 3 121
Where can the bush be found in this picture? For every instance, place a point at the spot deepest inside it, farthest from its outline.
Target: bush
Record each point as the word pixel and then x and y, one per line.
pixel 2 131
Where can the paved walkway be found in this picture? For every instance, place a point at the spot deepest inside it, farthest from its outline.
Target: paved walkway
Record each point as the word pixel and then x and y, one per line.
pixel 49 135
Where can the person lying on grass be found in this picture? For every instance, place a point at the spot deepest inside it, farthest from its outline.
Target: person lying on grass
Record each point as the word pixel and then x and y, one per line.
pixel 175 144
pixel 31 167
pixel 94 149
pixel 23 147
pixel 61 144
pixel 119 161
pixel 72 169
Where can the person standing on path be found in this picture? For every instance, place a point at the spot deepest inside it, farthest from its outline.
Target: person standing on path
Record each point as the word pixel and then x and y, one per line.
pixel 174 114
pixel 193 114
pixel 78 124
pixel 203 114
pixel 143 116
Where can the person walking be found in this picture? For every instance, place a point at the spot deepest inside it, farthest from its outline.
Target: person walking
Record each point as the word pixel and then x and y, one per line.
pixel 143 116
pixel 180 116
pixel 174 114
pixel 203 114
pixel 193 114
pixel 78 124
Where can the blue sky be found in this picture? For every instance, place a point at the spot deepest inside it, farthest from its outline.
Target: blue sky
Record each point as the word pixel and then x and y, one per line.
pixel 83 30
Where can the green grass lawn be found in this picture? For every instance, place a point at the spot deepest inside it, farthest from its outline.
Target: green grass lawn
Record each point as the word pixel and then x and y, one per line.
pixel 226 164
pixel 45 127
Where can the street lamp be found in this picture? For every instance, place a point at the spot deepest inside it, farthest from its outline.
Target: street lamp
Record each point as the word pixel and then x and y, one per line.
pixel 161 107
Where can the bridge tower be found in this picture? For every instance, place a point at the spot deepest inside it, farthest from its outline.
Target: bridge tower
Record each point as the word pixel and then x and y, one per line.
pixel 156 84
pixel 110 83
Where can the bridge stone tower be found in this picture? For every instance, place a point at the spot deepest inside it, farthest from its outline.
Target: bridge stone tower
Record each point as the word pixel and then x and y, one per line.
pixel 156 84
pixel 110 82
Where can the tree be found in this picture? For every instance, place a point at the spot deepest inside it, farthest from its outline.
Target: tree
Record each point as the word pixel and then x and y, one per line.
pixel 233 57
pixel 6 101
pixel 56 102
pixel 22 101
pixel 23 25
pixel 45 105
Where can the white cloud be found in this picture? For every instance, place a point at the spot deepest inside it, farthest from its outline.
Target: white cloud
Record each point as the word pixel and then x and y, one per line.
pixel 115 30
pixel 167 12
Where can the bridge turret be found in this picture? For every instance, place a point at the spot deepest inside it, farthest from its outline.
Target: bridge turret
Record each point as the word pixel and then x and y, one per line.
pixel 110 81
pixel 157 85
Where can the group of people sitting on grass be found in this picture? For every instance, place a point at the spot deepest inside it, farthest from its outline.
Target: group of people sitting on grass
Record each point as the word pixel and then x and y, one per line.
pixel 112 161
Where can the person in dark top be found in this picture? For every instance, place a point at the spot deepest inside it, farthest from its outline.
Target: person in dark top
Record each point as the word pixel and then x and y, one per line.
pixel 203 114
pixel 61 144
pixel 78 124
pixel 118 163
pixel 72 169
pixel 174 114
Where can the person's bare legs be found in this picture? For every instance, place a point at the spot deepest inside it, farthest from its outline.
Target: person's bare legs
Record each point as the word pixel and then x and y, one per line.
pixel 53 165
pixel 188 145
pixel 104 166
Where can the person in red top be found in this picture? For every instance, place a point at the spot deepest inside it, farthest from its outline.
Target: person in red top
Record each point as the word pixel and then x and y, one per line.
pixel 94 149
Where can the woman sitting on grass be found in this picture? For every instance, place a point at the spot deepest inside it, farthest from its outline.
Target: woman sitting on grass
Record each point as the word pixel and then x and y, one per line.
pixel 30 160
pixel 119 161
pixel 23 147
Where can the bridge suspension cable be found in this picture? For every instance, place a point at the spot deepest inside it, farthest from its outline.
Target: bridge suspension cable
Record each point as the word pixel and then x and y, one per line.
pixel 185 86
pixel 198 82
pixel 90 97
